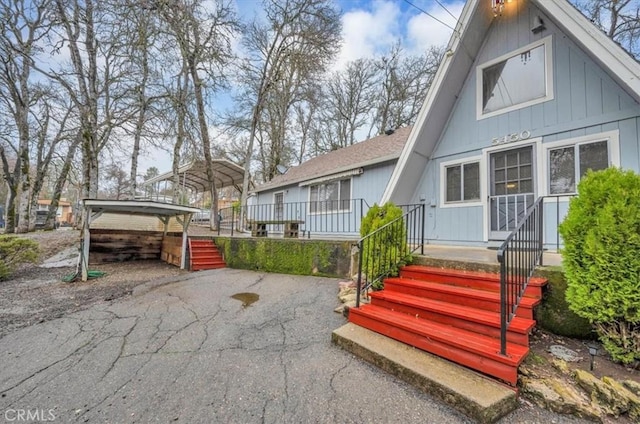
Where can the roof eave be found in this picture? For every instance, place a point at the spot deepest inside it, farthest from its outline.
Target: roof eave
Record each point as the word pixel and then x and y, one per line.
pixel 296 181
pixel 460 56
pixel 606 52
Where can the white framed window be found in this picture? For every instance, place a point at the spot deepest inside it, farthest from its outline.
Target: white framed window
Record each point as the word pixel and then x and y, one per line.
pixel 332 196
pixel 569 160
pixel 515 80
pixel 460 182
pixel 278 205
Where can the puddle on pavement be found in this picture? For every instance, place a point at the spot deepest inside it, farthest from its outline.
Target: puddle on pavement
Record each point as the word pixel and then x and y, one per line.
pixel 246 298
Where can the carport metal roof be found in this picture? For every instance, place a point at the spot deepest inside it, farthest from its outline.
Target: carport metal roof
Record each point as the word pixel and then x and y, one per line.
pixel 194 175
pixel 163 211
pixel 137 207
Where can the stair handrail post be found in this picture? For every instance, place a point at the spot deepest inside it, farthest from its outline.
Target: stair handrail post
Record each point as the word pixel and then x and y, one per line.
pixel 541 231
pixel 513 270
pixel 360 245
pixel 503 303
pixel 423 224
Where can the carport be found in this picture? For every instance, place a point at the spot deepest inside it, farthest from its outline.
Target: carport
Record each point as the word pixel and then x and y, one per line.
pixel 132 229
pixel 194 176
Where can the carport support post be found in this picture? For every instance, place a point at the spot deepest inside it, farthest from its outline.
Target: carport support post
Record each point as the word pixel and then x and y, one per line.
pixel 86 239
pixel 185 228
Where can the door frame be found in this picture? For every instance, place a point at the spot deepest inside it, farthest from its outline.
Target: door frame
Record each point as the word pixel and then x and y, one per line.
pixel 485 180
pixel 278 227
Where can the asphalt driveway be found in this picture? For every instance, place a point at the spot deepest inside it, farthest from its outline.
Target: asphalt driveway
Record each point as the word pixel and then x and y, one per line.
pixel 190 352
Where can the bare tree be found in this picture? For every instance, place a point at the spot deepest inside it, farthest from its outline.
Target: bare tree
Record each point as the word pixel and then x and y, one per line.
pixel 50 132
pixel 349 99
pixel 203 35
pixel 98 80
pixel 23 24
pixel 10 166
pixel 118 182
pixel 304 115
pixel 299 36
pixel 62 177
pixel 403 84
pixel 619 19
pixel 142 34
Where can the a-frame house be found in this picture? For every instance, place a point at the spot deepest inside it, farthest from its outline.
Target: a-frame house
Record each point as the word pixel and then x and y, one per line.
pixel 530 94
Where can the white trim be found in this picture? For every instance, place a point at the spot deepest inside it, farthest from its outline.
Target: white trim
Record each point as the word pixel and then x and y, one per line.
pixel 549 77
pixel 273 198
pixel 443 183
pixel 612 137
pixel 135 206
pixel 339 190
pixel 535 144
pixel 278 192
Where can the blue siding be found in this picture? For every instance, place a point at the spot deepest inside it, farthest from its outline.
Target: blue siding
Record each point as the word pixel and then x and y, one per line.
pixel 371 184
pixel 586 101
pixel 368 186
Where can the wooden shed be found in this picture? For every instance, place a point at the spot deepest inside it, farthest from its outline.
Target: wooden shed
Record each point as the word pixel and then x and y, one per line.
pixel 119 230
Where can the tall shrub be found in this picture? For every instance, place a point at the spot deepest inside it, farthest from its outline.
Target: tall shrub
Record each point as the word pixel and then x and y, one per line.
pixel 15 251
pixel 601 258
pixel 387 250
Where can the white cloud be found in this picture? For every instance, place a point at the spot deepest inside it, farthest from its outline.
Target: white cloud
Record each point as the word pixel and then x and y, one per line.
pixel 367 32
pixel 424 31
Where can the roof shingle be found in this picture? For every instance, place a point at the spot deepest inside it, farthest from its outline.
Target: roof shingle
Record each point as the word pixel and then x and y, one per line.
pixel 374 150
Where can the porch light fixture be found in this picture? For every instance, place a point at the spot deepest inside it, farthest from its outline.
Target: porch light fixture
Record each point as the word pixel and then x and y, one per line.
pixel 498 6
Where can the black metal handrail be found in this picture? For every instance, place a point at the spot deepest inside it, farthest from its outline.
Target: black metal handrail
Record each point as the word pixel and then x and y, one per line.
pixel 388 247
pixel 329 216
pixel 518 256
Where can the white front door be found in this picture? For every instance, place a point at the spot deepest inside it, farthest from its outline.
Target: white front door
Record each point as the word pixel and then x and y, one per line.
pixel 511 189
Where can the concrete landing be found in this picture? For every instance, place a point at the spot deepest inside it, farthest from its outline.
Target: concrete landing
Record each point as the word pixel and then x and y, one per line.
pixel 474 395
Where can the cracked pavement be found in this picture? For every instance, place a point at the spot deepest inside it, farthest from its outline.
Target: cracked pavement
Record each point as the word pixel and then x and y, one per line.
pixel 188 352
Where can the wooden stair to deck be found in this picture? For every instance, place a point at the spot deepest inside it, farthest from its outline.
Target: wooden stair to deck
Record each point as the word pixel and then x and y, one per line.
pixel 203 254
pixel 453 314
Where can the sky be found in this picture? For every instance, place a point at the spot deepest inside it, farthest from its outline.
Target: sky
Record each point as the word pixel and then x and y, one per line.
pixel 369 28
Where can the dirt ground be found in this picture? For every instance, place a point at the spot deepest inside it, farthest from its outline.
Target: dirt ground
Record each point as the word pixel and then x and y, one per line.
pixel 38 294
pixel 602 365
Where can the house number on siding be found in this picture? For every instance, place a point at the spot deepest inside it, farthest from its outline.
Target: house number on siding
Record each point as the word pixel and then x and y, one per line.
pixel 511 138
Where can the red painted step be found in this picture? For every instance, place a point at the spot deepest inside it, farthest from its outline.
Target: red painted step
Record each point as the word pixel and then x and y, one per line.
pixel 203 254
pixel 471 279
pixel 465 296
pixel 477 320
pixel 464 347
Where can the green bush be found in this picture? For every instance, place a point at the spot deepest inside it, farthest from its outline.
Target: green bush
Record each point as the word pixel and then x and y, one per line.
pixel 601 257
pixel 384 253
pixel 15 251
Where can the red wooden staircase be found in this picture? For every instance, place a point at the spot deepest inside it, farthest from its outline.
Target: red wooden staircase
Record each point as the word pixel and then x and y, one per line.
pixel 203 254
pixel 453 314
